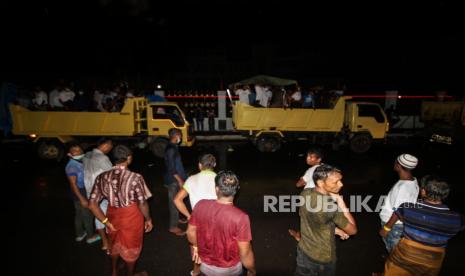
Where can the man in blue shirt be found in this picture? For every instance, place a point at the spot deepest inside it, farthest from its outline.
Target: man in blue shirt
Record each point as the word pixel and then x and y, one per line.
pixel 174 177
pixel 83 218
pixel 428 226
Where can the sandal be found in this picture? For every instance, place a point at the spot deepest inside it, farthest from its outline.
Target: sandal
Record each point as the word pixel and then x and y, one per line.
pixel 93 239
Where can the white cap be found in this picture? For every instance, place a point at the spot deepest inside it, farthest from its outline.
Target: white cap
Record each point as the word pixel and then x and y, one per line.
pixel 407 161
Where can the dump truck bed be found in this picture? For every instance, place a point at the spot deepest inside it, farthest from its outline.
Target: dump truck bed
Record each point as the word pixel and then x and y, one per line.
pixel 445 112
pixel 79 123
pixel 246 117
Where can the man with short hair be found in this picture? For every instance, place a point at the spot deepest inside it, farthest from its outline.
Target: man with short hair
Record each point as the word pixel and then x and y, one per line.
pixel 314 158
pixel 197 187
pixel 322 211
pixel 174 177
pixel 75 174
pixel 95 163
pixel 428 225
pixel 405 190
pixel 128 214
pixel 220 233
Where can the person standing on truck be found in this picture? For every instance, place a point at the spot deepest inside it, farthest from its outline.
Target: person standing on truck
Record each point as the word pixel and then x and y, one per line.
pixel 309 99
pixel 75 174
pixel 197 187
pixel 405 190
pixel 220 233
pixel 174 178
pixel 95 163
pixel 243 93
pixel 316 250
pixel 128 215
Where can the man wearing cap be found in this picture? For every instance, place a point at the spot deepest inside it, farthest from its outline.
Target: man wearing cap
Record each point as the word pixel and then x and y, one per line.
pixel 405 190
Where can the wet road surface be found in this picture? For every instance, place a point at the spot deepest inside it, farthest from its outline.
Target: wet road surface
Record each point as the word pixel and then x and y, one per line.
pixel 38 200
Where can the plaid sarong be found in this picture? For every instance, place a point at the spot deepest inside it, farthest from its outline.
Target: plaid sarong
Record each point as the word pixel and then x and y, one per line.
pixel 413 258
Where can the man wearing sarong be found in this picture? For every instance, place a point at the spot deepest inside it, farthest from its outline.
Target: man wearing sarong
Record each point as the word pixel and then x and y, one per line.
pixel 128 213
pixel 428 225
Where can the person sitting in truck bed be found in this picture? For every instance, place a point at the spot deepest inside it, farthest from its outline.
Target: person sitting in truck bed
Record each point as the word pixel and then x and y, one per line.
pixel 278 98
pixel 295 98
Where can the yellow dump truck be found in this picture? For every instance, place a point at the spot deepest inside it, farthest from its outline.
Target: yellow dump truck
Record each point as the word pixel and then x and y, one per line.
pixel 444 121
pixel 348 122
pixel 139 121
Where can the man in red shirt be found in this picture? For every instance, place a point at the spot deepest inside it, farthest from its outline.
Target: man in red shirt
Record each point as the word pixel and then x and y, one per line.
pixel 220 232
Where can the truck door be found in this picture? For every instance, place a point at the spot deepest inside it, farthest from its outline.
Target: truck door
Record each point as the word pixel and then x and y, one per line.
pixel 370 118
pixel 164 117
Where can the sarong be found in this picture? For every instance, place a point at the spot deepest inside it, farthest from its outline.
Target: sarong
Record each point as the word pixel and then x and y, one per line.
pixel 127 240
pixel 413 258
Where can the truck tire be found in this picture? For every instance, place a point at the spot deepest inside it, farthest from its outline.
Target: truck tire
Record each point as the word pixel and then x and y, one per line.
pixel 268 143
pixel 50 150
pixel 360 143
pixel 158 146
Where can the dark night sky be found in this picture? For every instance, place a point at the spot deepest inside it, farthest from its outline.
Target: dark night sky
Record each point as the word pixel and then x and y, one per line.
pixel 380 45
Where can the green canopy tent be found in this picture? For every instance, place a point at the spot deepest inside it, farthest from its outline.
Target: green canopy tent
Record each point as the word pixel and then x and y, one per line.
pixel 264 80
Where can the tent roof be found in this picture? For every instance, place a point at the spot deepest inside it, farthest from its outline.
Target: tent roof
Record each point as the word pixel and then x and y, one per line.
pixel 265 80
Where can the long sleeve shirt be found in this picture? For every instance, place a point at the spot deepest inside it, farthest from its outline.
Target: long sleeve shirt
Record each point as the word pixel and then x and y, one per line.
pixel 173 163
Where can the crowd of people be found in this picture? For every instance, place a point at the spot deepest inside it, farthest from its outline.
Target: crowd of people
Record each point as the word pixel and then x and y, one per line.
pixel 197 106
pixel 292 96
pixel 415 223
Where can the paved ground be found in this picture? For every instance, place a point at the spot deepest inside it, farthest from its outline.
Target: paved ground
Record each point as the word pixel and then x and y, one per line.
pixel 43 213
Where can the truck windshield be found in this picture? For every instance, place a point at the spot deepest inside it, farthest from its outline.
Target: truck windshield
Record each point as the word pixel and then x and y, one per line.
pixel 168 112
pixel 370 110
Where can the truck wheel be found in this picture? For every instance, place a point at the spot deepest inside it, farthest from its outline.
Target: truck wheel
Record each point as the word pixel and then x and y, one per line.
pixel 158 146
pixel 360 143
pixel 50 150
pixel 268 144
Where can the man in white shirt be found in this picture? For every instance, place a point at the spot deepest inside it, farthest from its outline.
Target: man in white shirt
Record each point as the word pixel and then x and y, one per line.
pixel 260 91
pixel 54 99
pixel 314 157
pixel 243 94
pixel 40 100
pixel 198 186
pixel 66 97
pixel 405 190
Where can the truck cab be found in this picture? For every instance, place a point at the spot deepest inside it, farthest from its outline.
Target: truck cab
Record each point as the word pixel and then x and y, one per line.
pixel 365 122
pixel 162 116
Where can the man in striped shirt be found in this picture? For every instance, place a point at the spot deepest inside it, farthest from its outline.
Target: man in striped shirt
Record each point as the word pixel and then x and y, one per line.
pixel 428 225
